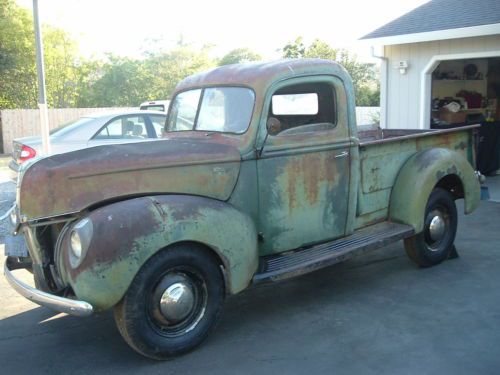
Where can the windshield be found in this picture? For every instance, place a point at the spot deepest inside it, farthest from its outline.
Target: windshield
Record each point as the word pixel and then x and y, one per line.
pixel 68 128
pixel 153 107
pixel 222 109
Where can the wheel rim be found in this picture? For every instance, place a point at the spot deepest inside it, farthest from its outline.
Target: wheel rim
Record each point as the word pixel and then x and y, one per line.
pixel 177 302
pixel 437 224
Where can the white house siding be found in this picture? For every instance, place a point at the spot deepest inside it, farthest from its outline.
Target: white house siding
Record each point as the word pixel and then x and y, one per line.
pixel 403 100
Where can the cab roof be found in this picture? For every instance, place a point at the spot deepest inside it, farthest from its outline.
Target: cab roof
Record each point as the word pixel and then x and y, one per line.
pixel 260 75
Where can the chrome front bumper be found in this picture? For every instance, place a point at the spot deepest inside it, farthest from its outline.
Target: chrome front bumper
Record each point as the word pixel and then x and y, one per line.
pixel 65 305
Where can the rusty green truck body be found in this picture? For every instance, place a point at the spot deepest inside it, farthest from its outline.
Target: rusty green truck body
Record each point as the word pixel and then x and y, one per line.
pixel 270 199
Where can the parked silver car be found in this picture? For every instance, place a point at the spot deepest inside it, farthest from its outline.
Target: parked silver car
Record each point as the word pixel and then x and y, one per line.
pixel 93 130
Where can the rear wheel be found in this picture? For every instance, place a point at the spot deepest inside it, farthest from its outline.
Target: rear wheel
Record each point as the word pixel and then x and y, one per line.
pixel 435 242
pixel 173 303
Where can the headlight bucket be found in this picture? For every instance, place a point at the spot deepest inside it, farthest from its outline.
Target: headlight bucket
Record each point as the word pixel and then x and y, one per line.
pixel 79 241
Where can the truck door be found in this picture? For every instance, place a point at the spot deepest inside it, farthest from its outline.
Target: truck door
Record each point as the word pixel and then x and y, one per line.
pixel 304 164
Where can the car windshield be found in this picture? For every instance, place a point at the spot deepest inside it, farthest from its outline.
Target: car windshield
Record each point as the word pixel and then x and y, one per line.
pixel 214 109
pixel 69 127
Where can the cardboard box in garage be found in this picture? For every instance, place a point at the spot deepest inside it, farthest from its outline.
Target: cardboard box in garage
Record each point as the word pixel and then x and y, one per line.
pixel 451 117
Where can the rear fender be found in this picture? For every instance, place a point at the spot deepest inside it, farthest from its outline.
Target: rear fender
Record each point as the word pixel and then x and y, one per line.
pixel 127 233
pixel 418 177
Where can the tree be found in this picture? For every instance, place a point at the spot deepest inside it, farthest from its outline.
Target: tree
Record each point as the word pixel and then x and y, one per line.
pixel 368 95
pixel 123 81
pixel 18 78
pixel 166 69
pixel 120 81
pixel 320 50
pixel 17 57
pixel 88 72
pixel 294 49
pixel 364 76
pixel 239 55
pixel 60 53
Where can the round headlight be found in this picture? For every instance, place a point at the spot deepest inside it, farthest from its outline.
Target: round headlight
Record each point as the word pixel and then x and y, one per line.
pixel 79 241
pixel 76 244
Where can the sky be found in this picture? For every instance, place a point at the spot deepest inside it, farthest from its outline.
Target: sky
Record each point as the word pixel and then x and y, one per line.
pixel 128 27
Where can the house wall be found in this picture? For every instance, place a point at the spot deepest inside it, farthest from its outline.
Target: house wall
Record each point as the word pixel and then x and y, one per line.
pixel 403 90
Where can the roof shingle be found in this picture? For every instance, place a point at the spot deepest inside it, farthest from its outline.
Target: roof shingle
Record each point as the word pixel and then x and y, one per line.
pixel 441 15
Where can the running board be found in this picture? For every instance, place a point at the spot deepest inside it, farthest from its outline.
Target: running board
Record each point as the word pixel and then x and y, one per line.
pixel 305 260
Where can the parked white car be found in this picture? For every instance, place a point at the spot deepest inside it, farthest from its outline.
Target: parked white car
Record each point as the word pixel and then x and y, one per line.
pixel 155 105
pixel 93 130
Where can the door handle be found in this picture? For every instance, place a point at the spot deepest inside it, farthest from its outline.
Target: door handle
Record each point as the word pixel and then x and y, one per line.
pixel 342 154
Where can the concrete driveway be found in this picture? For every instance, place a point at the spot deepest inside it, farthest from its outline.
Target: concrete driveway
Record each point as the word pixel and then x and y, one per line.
pixel 374 315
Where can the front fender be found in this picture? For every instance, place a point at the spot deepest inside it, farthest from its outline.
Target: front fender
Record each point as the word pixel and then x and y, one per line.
pixel 418 177
pixel 127 233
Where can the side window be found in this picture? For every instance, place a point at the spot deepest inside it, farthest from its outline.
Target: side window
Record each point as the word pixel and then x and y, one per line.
pixel 126 127
pixel 158 124
pixel 302 108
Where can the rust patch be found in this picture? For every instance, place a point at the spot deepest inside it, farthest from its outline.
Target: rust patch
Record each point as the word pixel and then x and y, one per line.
pixel 71 182
pixel 115 226
pixel 313 172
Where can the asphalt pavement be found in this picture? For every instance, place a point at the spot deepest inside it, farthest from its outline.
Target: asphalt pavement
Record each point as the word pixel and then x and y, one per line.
pixel 377 314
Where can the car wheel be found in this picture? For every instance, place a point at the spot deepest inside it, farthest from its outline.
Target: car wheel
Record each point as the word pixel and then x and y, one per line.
pixel 435 242
pixel 173 303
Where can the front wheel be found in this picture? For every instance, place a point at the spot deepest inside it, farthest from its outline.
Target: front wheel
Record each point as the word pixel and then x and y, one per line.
pixel 435 242
pixel 173 303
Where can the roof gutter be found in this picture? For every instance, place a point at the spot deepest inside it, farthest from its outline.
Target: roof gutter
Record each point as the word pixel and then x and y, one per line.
pixel 384 76
pixel 428 36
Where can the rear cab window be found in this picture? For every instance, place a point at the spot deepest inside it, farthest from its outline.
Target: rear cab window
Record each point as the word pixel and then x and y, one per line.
pixel 302 108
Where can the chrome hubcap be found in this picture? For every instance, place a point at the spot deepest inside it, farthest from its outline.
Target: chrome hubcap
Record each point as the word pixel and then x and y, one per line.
pixel 437 227
pixel 177 301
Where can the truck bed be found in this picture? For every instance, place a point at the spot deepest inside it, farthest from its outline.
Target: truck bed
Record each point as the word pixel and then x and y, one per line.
pixel 369 135
pixel 383 152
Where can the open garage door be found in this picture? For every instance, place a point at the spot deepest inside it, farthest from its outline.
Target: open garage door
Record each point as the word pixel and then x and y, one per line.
pixel 467 91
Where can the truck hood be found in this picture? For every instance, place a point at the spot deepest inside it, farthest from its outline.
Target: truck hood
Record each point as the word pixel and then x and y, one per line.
pixel 71 182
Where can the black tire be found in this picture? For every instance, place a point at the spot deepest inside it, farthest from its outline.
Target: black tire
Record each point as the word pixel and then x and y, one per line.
pixel 430 247
pixel 141 318
pixel 40 277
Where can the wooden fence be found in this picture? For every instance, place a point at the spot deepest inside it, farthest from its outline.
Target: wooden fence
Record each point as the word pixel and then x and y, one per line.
pixel 17 123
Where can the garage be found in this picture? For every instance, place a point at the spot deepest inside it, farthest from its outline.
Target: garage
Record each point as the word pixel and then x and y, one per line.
pixel 467 91
pixel 440 68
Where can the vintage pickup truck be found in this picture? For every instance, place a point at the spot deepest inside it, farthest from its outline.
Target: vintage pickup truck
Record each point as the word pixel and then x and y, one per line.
pixel 263 176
